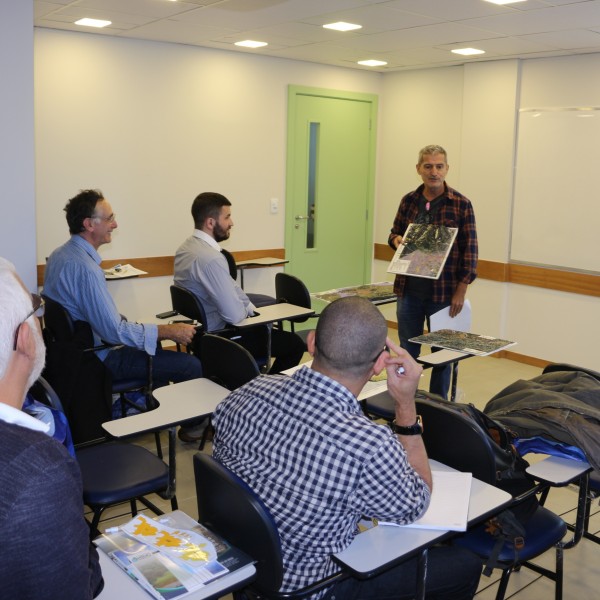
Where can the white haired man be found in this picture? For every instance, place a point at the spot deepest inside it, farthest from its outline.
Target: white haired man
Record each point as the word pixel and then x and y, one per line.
pixel 46 552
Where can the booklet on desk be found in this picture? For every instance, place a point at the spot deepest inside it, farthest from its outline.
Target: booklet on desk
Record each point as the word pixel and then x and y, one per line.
pixel 449 505
pixel 168 560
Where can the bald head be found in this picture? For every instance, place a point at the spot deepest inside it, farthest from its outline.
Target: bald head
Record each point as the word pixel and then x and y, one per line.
pixel 350 336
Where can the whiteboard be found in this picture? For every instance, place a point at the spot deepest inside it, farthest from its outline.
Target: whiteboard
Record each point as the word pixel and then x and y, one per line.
pixel 556 212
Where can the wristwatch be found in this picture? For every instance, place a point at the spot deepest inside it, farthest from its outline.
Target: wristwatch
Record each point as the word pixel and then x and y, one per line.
pixel 416 429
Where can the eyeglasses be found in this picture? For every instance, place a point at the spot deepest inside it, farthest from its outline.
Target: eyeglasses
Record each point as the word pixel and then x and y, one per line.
pixel 109 219
pixel 38 310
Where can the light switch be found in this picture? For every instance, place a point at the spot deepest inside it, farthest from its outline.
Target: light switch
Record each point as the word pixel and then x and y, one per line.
pixel 274 206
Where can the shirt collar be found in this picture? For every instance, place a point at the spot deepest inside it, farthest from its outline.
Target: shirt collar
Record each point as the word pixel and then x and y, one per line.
pixel 10 414
pixel 202 235
pixel 335 389
pixel 86 247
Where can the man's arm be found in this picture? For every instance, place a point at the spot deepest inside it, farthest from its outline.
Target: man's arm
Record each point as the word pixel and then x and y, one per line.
pixel 232 303
pixel 402 389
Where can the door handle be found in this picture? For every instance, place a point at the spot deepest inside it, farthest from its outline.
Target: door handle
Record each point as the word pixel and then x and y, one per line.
pixel 302 218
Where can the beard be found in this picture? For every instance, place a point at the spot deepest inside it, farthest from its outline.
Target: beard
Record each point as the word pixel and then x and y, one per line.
pixel 40 355
pixel 220 234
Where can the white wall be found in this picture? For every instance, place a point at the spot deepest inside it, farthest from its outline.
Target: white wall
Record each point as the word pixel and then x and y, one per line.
pixel 481 101
pixel 153 124
pixel 16 138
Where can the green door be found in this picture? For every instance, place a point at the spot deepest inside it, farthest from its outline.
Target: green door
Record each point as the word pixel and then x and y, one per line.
pixel 329 198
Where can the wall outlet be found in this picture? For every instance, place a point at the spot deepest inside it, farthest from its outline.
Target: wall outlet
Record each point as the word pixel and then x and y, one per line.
pixel 274 206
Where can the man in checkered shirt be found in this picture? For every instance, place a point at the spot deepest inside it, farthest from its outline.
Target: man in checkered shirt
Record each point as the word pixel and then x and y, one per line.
pixel 304 446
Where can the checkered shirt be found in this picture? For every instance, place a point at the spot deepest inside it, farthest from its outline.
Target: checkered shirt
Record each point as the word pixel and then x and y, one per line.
pixel 304 446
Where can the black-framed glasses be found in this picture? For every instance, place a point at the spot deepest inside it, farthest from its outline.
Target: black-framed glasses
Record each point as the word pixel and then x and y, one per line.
pixel 38 310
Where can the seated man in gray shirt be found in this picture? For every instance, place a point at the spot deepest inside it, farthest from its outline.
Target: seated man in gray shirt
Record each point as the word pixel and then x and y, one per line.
pixel 201 268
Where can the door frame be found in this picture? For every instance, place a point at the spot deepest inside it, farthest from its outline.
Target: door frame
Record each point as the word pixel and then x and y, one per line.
pixel 294 91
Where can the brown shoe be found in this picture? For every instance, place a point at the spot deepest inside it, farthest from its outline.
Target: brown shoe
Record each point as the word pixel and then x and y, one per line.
pixel 191 435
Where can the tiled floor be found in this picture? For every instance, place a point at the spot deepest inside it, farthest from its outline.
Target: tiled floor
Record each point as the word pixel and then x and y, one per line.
pixel 479 379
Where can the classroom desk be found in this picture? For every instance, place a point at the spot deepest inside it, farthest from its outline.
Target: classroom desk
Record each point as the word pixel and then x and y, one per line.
pixel 441 358
pixel 383 547
pixel 557 471
pixel 177 403
pixel 256 263
pixel 267 315
pixel 119 586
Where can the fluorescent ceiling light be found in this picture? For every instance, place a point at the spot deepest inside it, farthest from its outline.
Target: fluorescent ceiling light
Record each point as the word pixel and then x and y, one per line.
pixel 251 44
pixel 372 63
pixel 92 22
pixel 468 51
pixel 504 1
pixel 342 26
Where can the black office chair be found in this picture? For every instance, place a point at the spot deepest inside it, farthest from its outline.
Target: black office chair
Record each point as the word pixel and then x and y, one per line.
pixel 75 372
pixel 292 290
pixel 451 438
pixel 116 472
pixel 227 363
pixel 228 506
pixel 255 339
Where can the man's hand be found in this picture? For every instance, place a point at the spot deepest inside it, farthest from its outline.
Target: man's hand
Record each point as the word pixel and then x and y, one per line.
pixel 402 386
pixel 458 299
pixel 180 333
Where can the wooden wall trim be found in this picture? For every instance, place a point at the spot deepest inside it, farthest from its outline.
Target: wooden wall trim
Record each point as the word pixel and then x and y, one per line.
pixel 551 279
pixel 162 266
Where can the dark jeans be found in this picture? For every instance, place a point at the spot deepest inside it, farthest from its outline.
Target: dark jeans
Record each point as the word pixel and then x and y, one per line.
pixel 412 312
pixel 167 366
pixel 452 574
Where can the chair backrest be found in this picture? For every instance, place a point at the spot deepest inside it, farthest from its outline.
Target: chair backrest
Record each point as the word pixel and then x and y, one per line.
pixel 79 377
pixel 226 362
pixel 229 507
pixel 289 288
pixel 453 439
pixel 230 263
pixel 186 304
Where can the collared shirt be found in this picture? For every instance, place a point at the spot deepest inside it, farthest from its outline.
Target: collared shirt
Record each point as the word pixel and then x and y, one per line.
pixel 74 279
pixel 14 416
pixel 304 446
pixel 455 210
pixel 203 270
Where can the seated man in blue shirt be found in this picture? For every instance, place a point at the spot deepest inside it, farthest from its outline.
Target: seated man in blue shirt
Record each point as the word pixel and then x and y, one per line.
pixel 201 268
pixel 303 444
pixel 74 279
pixel 46 550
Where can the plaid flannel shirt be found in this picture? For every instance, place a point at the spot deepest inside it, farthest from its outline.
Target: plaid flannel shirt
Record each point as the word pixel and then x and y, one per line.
pixel 455 211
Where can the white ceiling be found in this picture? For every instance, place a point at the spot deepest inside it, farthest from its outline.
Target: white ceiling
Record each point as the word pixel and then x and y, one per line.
pixel 408 34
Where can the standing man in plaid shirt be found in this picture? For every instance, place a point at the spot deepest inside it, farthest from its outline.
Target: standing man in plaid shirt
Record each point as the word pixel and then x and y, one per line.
pixel 436 203
pixel 303 444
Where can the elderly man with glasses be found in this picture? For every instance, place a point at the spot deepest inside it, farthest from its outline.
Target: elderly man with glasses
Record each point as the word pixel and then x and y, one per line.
pixel 46 552
pixel 74 279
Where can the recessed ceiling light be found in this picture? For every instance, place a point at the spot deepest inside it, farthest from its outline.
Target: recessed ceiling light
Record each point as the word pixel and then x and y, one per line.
pixel 92 22
pixel 468 51
pixel 504 1
pixel 342 26
pixel 372 63
pixel 251 44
